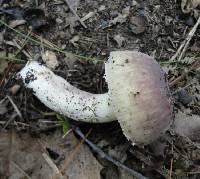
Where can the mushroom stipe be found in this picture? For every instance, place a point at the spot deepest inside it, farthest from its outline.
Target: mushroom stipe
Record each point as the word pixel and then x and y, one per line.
pixel 138 95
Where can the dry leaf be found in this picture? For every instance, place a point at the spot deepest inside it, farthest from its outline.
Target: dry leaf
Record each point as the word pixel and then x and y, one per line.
pixel 189 5
pixel 70 60
pixel 71 22
pixel 138 24
pixel 74 40
pixel 16 23
pixel 119 19
pixel 119 39
pixel 83 165
pixel 50 59
pixel 74 4
pixel 24 156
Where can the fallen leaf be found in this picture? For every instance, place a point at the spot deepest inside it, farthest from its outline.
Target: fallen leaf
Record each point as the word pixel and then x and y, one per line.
pixel 16 23
pixel 50 59
pixel 24 157
pixel 189 5
pixel 74 4
pixel 74 40
pixel 119 39
pixel 101 8
pixel 70 60
pixel 138 24
pixel 119 19
pixel 71 21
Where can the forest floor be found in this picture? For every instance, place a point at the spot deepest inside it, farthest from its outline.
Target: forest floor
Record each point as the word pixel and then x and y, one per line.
pixel 35 142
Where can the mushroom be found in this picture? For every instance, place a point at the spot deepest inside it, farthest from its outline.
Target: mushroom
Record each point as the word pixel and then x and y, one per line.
pixel 138 95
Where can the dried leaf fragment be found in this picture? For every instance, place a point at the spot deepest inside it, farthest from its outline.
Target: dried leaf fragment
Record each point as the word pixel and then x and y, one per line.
pixel 138 24
pixel 119 39
pixel 27 154
pixel 50 59
pixel 189 5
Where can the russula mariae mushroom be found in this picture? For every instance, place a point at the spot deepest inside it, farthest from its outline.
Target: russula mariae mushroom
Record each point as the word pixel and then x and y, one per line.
pixel 138 95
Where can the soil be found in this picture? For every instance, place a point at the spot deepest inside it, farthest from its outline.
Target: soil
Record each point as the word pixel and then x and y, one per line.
pixel 154 27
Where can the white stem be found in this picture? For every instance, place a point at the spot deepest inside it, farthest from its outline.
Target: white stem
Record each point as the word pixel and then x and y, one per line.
pixel 60 96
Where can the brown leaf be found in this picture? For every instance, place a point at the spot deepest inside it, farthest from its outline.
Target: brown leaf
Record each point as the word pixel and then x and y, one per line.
pixel 27 157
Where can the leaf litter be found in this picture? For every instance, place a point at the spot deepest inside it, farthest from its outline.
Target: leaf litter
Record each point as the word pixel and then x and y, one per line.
pixel 161 36
pixel 23 160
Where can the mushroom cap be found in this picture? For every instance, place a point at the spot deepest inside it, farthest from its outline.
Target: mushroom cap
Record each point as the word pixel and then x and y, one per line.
pixel 139 95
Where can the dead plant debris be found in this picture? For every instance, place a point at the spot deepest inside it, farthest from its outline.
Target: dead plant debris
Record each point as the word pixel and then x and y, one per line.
pixel 74 38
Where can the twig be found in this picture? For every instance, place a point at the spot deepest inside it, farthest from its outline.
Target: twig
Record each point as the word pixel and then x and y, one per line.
pixel 107 157
pixel 15 107
pixel 184 45
pixel 52 165
pixel 10 120
pixel 83 19
pixel 171 163
pixel 189 37
pixel 21 170
pixel 15 44
pixel 74 12
pixel 2 84
pixel 194 66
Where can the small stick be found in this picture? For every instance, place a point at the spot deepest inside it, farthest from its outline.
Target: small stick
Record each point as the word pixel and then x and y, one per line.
pixel 194 66
pixel 15 107
pixel 189 37
pixel 52 165
pixel 74 12
pixel 21 170
pixel 107 157
pixel 171 163
pixel 185 43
